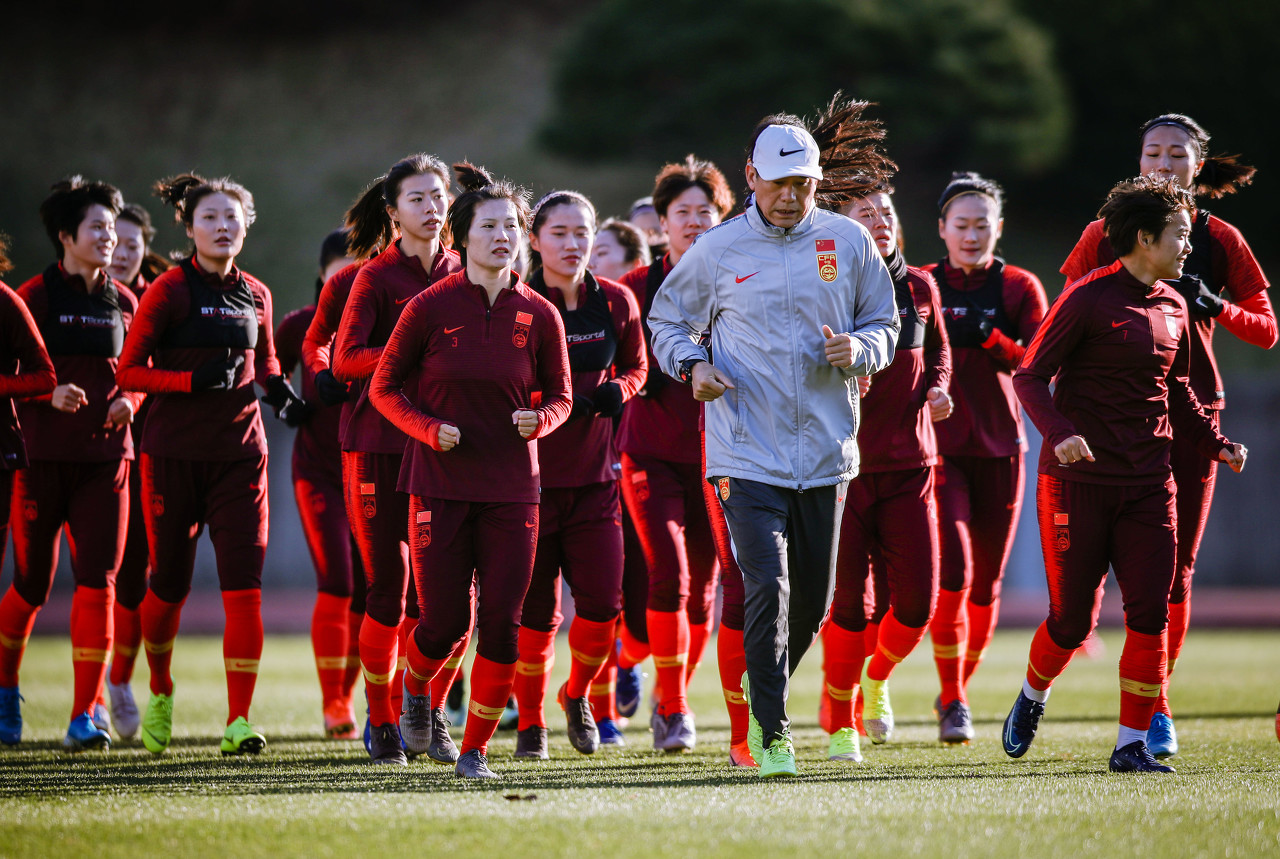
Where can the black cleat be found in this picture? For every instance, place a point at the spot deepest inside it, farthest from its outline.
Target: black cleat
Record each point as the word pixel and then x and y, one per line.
pixel 473 765
pixel 415 723
pixel 583 733
pixel 385 746
pixel 442 750
pixel 1020 726
pixel 1136 758
pixel 531 743
pixel 955 725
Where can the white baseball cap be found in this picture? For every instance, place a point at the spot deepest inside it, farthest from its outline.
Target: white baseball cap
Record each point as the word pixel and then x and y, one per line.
pixel 786 150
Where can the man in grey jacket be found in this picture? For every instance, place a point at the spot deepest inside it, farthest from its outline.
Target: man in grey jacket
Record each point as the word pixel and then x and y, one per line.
pixel 799 304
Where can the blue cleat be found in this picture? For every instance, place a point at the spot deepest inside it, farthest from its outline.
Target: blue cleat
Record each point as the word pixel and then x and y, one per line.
pixel 10 715
pixel 510 718
pixel 84 734
pixel 1020 726
pixel 610 733
pixel 628 692
pixel 1162 738
pixel 1136 758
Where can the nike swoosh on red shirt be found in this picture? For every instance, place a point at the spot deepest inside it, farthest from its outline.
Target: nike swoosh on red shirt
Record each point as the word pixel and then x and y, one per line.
pixel 530 524
pixel 403 300
pixel 451 330
pixel 1118 324
pixel 737 279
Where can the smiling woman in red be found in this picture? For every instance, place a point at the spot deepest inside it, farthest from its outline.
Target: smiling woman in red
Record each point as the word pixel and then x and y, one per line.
pixel 203 336
pixel 1220 262
pixel 476 370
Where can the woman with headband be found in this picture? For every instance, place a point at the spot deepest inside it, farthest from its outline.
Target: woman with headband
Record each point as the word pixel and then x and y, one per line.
pixel 1222 284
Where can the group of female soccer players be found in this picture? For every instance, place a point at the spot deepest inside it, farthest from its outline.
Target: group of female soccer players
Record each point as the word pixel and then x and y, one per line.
pixel 478 418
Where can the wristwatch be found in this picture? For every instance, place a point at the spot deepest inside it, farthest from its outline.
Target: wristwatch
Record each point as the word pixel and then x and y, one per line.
pixel 686 369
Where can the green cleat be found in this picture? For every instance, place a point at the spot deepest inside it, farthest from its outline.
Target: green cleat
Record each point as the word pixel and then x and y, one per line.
pixel 242 739
pixel 755 734
pixel 779 758
pixel 844 746
pixel 157 724
pixel 877 714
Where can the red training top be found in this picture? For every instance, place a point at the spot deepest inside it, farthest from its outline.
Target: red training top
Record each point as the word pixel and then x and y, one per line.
pixel 986 420
pixel 175 328
pixel 83 333
pixel 316 450
pixel 896 432
pixel 1233 267
pixel 25 371
pixel 1118 352
pixel 317 346
pixel 606 342
pixel 379 293
pixel 455 359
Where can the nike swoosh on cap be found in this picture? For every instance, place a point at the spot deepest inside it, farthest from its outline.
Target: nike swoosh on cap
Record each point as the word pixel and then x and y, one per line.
pixel 785 152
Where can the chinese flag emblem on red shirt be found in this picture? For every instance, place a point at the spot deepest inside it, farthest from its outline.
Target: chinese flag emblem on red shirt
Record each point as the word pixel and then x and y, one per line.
pixel 520 336
pixel 826 249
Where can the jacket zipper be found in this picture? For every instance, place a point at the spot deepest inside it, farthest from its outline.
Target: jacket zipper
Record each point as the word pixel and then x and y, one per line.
pixel 795 361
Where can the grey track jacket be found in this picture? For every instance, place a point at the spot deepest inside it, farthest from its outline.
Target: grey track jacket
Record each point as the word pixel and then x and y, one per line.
pixel 791 419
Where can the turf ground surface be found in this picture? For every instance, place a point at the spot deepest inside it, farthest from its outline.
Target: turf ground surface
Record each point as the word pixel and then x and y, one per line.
pixel 307 796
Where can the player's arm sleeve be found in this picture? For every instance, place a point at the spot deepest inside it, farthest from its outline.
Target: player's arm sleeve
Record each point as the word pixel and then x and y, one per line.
pixel 631 362
pixel 401 356
pixel 162 305
pixel 1061 332
pixel 353 359
pixel 1185 413
pixel 937 344
pixel 318 344
pixel 553 376
pixel 35 376
pixel 682 310
pixel 265 362
pixel 875 314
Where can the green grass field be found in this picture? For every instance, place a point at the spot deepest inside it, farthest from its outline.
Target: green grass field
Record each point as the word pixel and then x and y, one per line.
pixel 306 796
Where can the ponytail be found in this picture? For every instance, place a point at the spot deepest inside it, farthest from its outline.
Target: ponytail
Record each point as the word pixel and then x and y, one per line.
pixel 369 223
pixel 1222 175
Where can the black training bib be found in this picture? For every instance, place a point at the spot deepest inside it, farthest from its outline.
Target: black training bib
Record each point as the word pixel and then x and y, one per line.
pixel 987 300
pixel 589 330
pixel 80 323
pixel 217 319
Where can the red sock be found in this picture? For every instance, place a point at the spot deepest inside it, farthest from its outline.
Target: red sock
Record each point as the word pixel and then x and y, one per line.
pixel 982 626
pixel 420 670
pixel 896 643
pixel 532 675
pixel 602 696
pixel 699 635
pixel 329 643
pixel 490 688
pixel 17 616
pixel 871 637
pixel 733 663
pixel 1142 673
pixel 125 643
pixel 407 626
pixel 842 669
pixel 160 621
pixel 590 643
pixel 669 639
pixel 448 673
pixel 634 651
pixel 1179 621
pixel 241 648
pixel 378 650
pixel 91 627
pixel 1047 660
pixel 948 632
pixel 351 671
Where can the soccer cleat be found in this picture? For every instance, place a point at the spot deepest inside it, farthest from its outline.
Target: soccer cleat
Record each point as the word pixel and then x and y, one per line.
pixel 157 723
pixel 779 758
pixel 124 710
pixel 84 734
pixel 628 691
pixel 844 746
pixel 415 723
pixel 679 734
pixel 10 715
pixel 473 764
pixel 531 743
pixel 1162 738
pixel 385 746
pixel 455 703
pixel 340 720
pixel 510 718
pixel 755 734
pixel 442 750
pixel 658 725
pixel 877 715
pixel 610 733
pixel 955 725
pixel 583 733
pixel 241 738
pixel 1020 726
pixel 740 756
pixel 1136 758
pixel 101 718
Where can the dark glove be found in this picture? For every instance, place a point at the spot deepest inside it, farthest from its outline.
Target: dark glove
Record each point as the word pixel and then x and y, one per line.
pixel 288 406
pixel 656 381
pixel 331 391
pixel 218 374
pixel 980 324
pixel 1201 301
pixel 608 400
pixel 583 406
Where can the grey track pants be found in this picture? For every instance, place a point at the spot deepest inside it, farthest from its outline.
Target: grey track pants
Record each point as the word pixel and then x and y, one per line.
pixel 785 541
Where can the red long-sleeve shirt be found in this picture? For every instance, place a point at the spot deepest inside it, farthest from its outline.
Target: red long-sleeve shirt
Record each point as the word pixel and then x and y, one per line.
pixel 582 451
pixel 1248 315
pixel 1119 352
pixel 316 447
pixel 379 293
pixel 455 359
pixel 317 346
pixel 205 425
pixel 896 432
pixel 25 371
pixel 986 421
pixel 79 436
pixel 662 426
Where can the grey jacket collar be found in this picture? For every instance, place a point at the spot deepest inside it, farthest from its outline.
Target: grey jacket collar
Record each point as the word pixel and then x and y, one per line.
pixel 760 225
